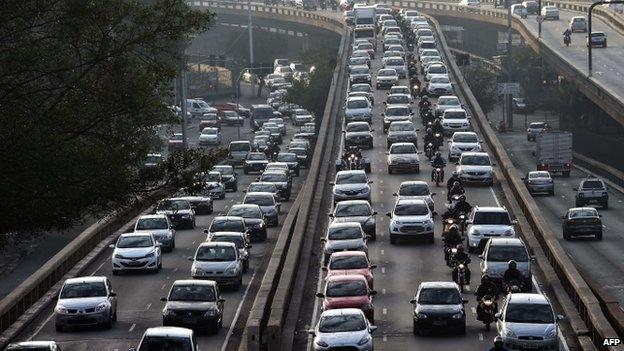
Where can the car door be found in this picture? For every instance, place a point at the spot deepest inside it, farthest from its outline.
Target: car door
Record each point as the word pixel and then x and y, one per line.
pixel 112 296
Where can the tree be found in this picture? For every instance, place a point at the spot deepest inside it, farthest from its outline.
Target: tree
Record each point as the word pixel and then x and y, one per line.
pixel 482 82
pixel 83 85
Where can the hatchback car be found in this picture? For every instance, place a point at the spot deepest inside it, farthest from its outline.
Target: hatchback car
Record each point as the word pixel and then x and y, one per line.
pixel 179 211
pixel 300 117
pixel 403 157
pixel 194 303
pixel 439 84
pixel 360 74
pixel 539 182
pixel 230 177
pixel 410 219
pixel 213 183
pixel 438 305
pixel 358 134
pixel 527 321
pixel 364 89
pixel 401 131
pixel 592 191
pixel 535 128
pixel 582 221
pixel 262 187
pixel 159 226
pixel 351 185
pixel 226 224
pixel 239 239
pixel 463 142
pixel 282 181
pixel 396 63
pixel 550 12
pixel 85 301
pixel 455 120
pixel 161 338
pixel 497 254
pixel 358 108
pixel 346 236
pixel 416 190
pixel 210 136
pixel 486 223
pixel 348 291
pixel 597 39
pixel 578 24
pixel 134 252
pixel 268 205
pixel 218 261
pixel 345 328
pixel 446 102
pixel 303 156
pixel 475 167
pixel 350 263
pixel 386 77
pixel 253 218
pixel 291 160
pixel 359 211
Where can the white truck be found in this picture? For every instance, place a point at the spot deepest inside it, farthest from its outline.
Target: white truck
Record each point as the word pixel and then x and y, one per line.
pixel 364 15
pixel 554 152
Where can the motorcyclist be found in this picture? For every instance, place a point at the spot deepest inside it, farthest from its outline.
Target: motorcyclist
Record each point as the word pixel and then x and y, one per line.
pixel 462 206
pixel 487 287
pixel 512 274
pixel 272 150
pixel 454 178
pixel 437 126
pixel 456 189
pixel 428 117
pixel 461 256
pixel 424 102
pixel 429 137
pixel 437 162
pixel 498 344
pixel 451 239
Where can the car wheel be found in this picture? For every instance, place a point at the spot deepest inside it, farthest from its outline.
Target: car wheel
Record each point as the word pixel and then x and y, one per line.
pixel 239 284
pixel 578 204
pixel 367 168
pixel 388 144
pixel 461 330
pixel 222 195
pixel 235 188
pixel 431 238
pixel 566 236
pixel 245 266
pixel 417 170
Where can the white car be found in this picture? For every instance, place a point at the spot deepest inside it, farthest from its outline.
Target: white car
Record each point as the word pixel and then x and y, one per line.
pixel 423 32
pixel 351 185
pixel 345 328
pixel 475 167
pixel 446 102
pixel 344 236
pixel 435 69
pixel 455 120
pixel 162 338
pixel 386 78
pixel 401 131
pixel 396 113
pixel 416 190
pixel 358 108
pixel 439 84
pixel 470 3
pixel 136 252
pixel 403 157
pixel 218 261
pixel 159 226
pixel 360 74
pixel 497 254
pixel 422 53
pixel 463 142
pixel 197 107
pixel 550 12
pixel 527 321
pixel 301 116
pixel 210 136
pixel 396 63
pixel 411 218
pixel 488 222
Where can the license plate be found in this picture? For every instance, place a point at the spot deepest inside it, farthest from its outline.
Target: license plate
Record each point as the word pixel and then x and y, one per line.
pixel 189 320
pixel 439 323
pixel 529 346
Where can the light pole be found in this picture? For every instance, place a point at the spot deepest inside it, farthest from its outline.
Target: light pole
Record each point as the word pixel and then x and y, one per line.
pixel 250 28
pixel 589 30
pixel 539 19
pixel 182 90
pixel 508 97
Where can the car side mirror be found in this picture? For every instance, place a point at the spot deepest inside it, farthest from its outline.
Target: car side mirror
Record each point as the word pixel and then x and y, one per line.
pixel 112 294
pixel 323 240
pixel 370 182
pixel 249 246
pixel 164 299
pixel 413 301
pixel 374 213
pixel 433 194
pixel 206 231
pixel 395 194
pixel 563 217
pixel 464 301
pixel 435 213
pixel 523 178
pixel 372 328
pixel 132 349
pixel 221 300
pixel 514 222
pixel 344 132
pixel 372 130
pixel 575 189
pixel 560 317
pixel 321 295
pixel 312 332
pixel 532 257
pixel 481 256
pixel 330 215
pixel 498 315
pixel 389 214
pixel 190 258
pixel 373 292
pixel 112 246
pixel 332 183
pixel 456 163
pixel 324 268
pixel 494 165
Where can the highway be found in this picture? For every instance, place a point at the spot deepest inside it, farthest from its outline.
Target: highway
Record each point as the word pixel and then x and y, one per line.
pixel 403 266
pixel 139 294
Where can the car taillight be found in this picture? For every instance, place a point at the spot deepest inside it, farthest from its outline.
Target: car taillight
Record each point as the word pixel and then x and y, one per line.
pixel 597 221
pixel 567 165
pixel 528 130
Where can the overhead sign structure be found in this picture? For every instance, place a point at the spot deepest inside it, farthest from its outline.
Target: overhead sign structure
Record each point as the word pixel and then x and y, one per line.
pixel 508 88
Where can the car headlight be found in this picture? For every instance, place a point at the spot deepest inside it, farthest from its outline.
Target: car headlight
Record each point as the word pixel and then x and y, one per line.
pixel 321 343
pixel 421 316
pixel 509 333
pixel 60 309
pixel 551 334
pixel 119 256
pixel 458 315
pixel 101 307
pixel 151 254
pixel 364 340
pixel 509 232
pixel 210 313
pixel 231 270
pixel 475 232
pixel 168 312
pixel 195 271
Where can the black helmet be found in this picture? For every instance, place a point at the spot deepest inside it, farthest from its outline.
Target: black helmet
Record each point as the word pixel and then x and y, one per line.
pixel 455 174
pixel 454 228
pixel 459 247
pixel 438 154
pixel 455 183
pixel 462 198
pixel 485 278
pixel 498 341
pixel 512 264
pixel 429 130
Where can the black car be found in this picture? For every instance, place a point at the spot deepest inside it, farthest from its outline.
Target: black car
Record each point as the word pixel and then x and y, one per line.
pixel 291 160
pixel 439 306
pixel 281 179
pixel 201 202
pixel 226 224
pixel 255 162
pixel 179 211
pixel 582 221
pixel 195 304
pixel 302 156
pixel 253 218
pixel 229 176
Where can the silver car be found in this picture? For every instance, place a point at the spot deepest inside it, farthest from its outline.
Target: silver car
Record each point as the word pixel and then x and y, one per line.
pixel 446 102
pixel 527 321
pixel 358 108
pixel 410 218
pixel 210 136
pixel 498 252
pixel 351 185
pixel 85 301
pixel 386 78
pixel 346 236
pixel 237 238
pixel 343 327
pixel 539 182
pixel 159 226
pixel 218 261
pixel 416 189
pixel 403 157
pixel 401 131
pixel 268 205
pixel 359 211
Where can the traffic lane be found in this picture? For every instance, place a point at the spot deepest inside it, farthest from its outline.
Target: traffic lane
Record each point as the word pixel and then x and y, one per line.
pixel 602 258
pixel 139 305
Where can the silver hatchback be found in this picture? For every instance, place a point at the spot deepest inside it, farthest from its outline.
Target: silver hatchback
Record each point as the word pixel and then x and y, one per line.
pixel 85 301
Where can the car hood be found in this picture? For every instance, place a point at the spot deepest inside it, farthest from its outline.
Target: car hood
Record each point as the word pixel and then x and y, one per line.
pixel 266 209
pixel 455 121
pixel 346 302
pixel 345 244
pixel 252 221
pixel 82 302
pixel 499 229
pixel 135 252
pixel 475 168
pixel 427 198
pixel 439 85
pixel 410 219
pixel 397 118
pixel 352 187
pixel 530 329
pixel 403 157
pixel 342 338
pixel 218 266
pixel 497 269
pixel 357 134
pixel 191 305
pixel 439 309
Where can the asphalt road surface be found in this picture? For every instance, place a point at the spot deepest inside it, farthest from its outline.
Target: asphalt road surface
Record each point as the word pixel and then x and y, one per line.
pixel 139 305
pixel 403 266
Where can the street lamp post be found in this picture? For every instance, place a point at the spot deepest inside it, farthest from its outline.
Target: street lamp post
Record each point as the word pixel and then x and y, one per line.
pixel 539 21
pixel 508 97
pixel 250 30
pixel 589 30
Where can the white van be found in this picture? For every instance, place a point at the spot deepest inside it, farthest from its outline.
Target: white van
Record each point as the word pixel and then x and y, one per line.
pixel 197 107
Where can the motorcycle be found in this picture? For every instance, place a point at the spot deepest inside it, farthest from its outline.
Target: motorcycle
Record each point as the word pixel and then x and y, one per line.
pixel 567 40
pixel 513 287
pixel 438 175
pixel 486 310
pixel 459 274
pixel 438 139
pixel 353 162
pixel 415 90
pixel 449 251
pixel 429 151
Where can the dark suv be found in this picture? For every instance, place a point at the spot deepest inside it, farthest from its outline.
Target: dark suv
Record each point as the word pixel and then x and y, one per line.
pixel 592 191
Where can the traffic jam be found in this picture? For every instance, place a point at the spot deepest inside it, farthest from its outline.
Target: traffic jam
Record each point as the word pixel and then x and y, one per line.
pixel 417 241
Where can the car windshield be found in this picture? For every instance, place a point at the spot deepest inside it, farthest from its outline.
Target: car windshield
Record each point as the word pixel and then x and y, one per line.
pixel 210 131
pixel 583 213
pixel 414 190
pixel 263 188
pixel 213 177
pixel 346 288
pixel 289 157
pixel 78 290
pixel 403 149
pixel 403 209
pixel 465 138
pixel 152 223
pixel 386 73
pixel 529 313
pixel 357 127
pixel 219 225
pixel 165 343
pixel 173 205
pixel 132 241
pixel 536 175
pixel 245 212
pixel 350 210
pixel 395 62
pixel 397 111
pixel 283 69
pixel 226 170
pixel 344 232
pixel 492 218
pixel 237 240
pixel 397 99
pixel 439 296
pixel 259 200
pixel 192 293
pixel 256 156
pixel 401 127
pixel 475 160
pixel 215 254
pixel 357 104
pixel 240 147
pixel 450 101
pixel 351 178
pixel 361 88
pixel 592 184
pixel 501 253
pixel 454 115
pixel 355 61
pixel 341 323
pixel 539 125
pixel 348 262
pixel 364 46
pixel 273 177
pixel 440 80
pixel 360 70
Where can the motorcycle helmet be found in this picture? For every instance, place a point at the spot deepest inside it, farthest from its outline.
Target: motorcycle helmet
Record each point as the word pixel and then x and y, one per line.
pixel 485 278
pixel 462 198
pixel 512 264
pixel 498 341
pixel 455 174
pixel 429 130
pixel 455 183
pixel 438 154
pixel 454 228
pixel 460 248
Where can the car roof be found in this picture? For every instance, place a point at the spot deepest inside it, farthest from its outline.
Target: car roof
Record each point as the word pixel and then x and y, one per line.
pixel 194 282
pixel 343 277
pixel 260 193
pixel 348 253
pixel 354 98
pixel 447 285
pixel 342 312
pixel 455 110
pixel 353 202
pixel 528 298
pixel 96 279
pixel 344 225
pixel 169 331
pixel 506 242
pixel 228 218
pixel 575 209
pixel 490 209
pixel 239 234
pixel 474 153
pixel 354 171
pixel 413 182
pixel 464 133
pixel 401 144
pixel 216 244
pixel 356 123
pixel 402 106
pixel 153 216
pixel 408 201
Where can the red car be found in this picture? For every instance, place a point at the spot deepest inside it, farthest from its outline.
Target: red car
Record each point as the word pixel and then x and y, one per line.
pixel 348 291
pixel 231 106
pixel 209 120
pixel 350 263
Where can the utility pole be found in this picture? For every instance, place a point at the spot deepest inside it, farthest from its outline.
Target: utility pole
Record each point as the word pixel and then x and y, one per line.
pixel 182 90
pixel 539 20
pixel 250 28
pixel 589 30
pixel 509 97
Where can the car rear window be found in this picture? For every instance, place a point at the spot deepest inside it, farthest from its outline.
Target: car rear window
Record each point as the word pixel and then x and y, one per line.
pixel 592 184
pixel 501 253
pixel 493 218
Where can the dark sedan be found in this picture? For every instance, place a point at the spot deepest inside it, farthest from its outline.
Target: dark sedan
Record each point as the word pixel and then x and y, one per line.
pixel 229 176
pixel 194 303
pixel 254 220
pixel 582 221
pixel 255 162
pixel 291 160
pixel 439 306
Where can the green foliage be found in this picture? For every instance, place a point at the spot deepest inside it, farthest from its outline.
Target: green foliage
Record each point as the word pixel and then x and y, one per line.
pixel 314 95
pixel 534 76
pixel 82 86
pixel 483 83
